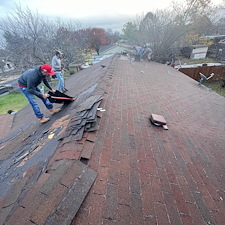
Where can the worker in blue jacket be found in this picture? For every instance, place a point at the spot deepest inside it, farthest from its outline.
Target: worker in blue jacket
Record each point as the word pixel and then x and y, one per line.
pixel 28 85
pixel 139 50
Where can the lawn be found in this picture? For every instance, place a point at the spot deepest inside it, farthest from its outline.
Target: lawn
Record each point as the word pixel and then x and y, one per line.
pixel 14 101
pixel 187 61
pixel 215 86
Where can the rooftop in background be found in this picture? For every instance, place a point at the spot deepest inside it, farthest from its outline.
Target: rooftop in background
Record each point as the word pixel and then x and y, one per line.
pixel 117 48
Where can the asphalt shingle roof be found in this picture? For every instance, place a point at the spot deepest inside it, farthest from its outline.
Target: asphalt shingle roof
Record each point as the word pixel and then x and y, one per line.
pixel 128 171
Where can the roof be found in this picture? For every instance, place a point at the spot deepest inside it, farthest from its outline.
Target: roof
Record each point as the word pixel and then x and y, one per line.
pixel 126 171
pixel 106 47
pixel 114 48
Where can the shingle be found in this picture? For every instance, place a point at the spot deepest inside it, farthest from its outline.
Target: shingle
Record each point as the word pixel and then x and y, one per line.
pixel 56 175
pixel 65 213
pixel 87 150
pixel 89 103
pixel 48 204
pixel 74 172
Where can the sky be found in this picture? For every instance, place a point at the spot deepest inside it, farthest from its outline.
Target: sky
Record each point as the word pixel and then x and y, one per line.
pixel 91 13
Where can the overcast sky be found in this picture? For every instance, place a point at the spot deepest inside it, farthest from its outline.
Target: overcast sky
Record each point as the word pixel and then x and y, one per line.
pixel 91 13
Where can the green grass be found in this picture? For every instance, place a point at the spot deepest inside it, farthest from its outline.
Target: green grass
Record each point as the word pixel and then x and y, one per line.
pixel 196 61
pixel 215 85
pixel 14 101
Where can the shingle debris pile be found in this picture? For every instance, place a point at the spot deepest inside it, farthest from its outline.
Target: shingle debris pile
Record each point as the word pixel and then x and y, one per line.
pixel 49 199
pixel 84 118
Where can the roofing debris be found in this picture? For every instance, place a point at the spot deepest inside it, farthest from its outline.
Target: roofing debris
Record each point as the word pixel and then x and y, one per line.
pixel 84 120
pixel 35 150
pixel 16 133
pixel 41 148
pixel 51 196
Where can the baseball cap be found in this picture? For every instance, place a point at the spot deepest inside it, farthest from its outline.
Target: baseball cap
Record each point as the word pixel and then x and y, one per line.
pixel 58 52
pixel 48 69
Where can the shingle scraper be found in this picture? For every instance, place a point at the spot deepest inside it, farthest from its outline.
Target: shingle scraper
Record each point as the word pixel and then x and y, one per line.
pixel 59 97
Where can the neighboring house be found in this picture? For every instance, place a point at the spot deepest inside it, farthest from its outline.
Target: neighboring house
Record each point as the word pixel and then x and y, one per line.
pixel 105 52
pixel 114 49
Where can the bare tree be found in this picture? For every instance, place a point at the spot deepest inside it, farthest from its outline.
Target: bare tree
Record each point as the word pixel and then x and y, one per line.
pixel 32 39
pixel 162 30
pixel 165 30
pixel 69 38
pixel 25 33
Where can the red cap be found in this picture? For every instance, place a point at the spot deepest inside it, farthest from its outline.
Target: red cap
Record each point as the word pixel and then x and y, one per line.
pixel 48 69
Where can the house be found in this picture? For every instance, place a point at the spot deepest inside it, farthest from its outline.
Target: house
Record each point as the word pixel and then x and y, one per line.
pixel 112 49
pixel 105 52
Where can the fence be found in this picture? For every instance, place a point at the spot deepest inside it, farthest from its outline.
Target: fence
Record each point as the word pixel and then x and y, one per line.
pixel 219 72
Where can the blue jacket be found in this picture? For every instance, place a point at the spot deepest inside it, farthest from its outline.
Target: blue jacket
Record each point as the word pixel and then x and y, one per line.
pixel 139 50
pixel 31 79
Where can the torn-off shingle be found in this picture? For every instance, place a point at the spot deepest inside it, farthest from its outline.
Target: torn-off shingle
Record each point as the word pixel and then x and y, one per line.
pixel 84 120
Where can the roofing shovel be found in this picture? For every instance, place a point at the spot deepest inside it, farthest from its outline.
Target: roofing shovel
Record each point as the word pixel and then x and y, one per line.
pixel 59 97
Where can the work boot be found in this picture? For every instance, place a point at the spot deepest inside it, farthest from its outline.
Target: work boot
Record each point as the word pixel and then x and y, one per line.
pixel 53 111
pixel 43 119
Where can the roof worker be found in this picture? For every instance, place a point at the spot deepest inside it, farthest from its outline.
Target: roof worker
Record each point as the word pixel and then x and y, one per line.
pixel 147 53
pixel 58 67
pixel 28 85
pixel 139 50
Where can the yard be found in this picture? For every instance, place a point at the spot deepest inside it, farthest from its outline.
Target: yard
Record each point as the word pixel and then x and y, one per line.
pixel 215 85
pixel 13 101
